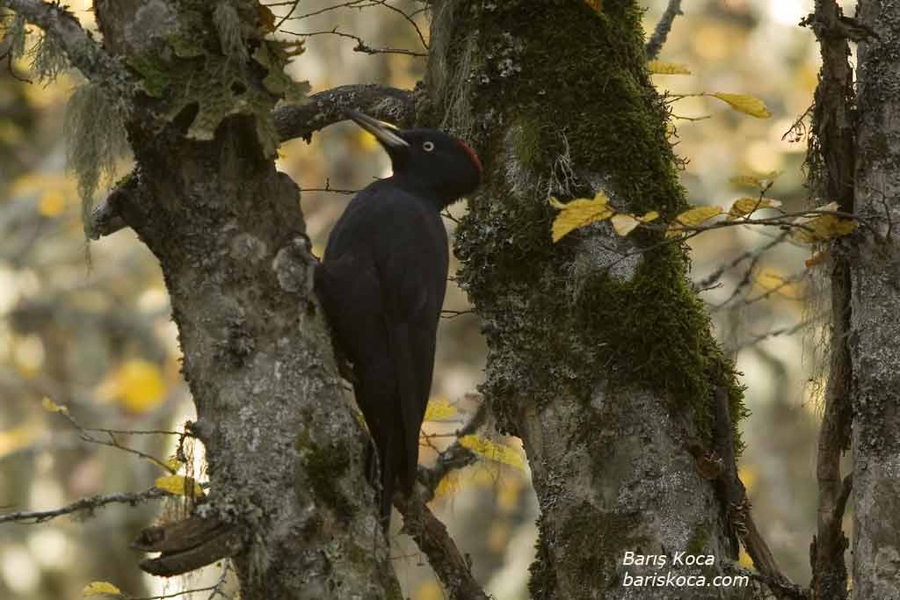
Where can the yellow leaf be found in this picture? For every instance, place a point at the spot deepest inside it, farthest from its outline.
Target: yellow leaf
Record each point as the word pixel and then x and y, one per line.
pixel 658 67
pixel 179 485
pixel 439 409
pixel 173 463
pixel 429 590
pixel 744 103
pixel 624 223
pixel 52 203
pixel 820 228
pixel 20 436
pixel 744 206
pixel 746 180
pixel 754 181
pixel 449 485
pixel 698 215
pixel 744 560
pixel 579 213
pixel 772 280
pixel 749 476
pixel 138 385
pixel 51 406
pixel 491 451
pixel 98 588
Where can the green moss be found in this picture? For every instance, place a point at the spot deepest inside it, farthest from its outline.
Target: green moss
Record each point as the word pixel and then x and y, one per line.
pixel 542 584
pixel 323 467
pixel 697 543
pixel 657 332
pixel 591 538
pixel 649 330
pixel 527 144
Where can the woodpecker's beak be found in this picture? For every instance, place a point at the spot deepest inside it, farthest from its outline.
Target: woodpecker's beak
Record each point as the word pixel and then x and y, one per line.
pixel 387 136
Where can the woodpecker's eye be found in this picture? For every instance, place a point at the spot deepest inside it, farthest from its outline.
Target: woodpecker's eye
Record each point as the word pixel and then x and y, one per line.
pixel 428 146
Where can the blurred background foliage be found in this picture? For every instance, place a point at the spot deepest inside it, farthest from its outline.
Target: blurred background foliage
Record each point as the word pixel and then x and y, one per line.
pixel 96 335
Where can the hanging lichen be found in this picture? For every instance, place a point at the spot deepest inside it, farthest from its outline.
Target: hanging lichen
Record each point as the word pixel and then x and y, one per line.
pixel 47 59
pixel 229 27
pixel 95 137
pixel 12 43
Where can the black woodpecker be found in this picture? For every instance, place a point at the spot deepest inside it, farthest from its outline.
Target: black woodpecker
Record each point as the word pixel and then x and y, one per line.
pixel 382 282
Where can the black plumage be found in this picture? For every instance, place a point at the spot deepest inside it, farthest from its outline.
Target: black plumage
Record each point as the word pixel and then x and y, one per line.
pixel 382 282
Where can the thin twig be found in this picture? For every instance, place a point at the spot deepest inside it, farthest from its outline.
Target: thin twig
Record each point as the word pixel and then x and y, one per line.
pixel 656 41
pixel 408 19
pixel 711 279
pixel 84 504
pixel 361 46
pixel 456 456
pixel 112 442
pixel 294 6
pixel 83 52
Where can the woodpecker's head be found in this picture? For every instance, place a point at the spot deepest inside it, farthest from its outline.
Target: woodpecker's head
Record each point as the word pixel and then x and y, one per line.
pixel 427 158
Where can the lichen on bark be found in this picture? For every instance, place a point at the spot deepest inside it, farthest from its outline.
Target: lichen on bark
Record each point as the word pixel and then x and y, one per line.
pixel 285 453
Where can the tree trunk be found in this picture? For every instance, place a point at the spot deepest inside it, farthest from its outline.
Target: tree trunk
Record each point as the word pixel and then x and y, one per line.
pixel 875 337
pixel 285 454
pixel 600 355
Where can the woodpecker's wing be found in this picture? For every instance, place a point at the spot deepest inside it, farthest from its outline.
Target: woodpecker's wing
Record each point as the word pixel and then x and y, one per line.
pixel 385 273
pixel 412 267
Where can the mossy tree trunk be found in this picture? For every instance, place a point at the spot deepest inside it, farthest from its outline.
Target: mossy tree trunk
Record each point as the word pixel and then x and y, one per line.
pixel 600 355
pixel 875 304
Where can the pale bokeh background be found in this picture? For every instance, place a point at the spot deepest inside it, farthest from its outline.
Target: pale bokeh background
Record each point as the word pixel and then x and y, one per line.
pixel 99 340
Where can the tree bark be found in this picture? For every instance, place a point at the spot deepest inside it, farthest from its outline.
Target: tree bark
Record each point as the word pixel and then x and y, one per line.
pixel 875 337
pixel 600 356
pixel 285 454
pixel 831 161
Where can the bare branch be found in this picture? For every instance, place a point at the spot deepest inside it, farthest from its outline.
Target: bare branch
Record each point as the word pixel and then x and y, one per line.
pixel 456 456
pixel 408 18
pixel 781 331
pixel 113 442
pixel 327 107
pixel 753 254
pixel 329 189
pixel 361 46
pixel 434 541
pixel 291 121
pixel 655 44
pixel 735 496
pixel 85 505
pixel 84 53
pixel 357 4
